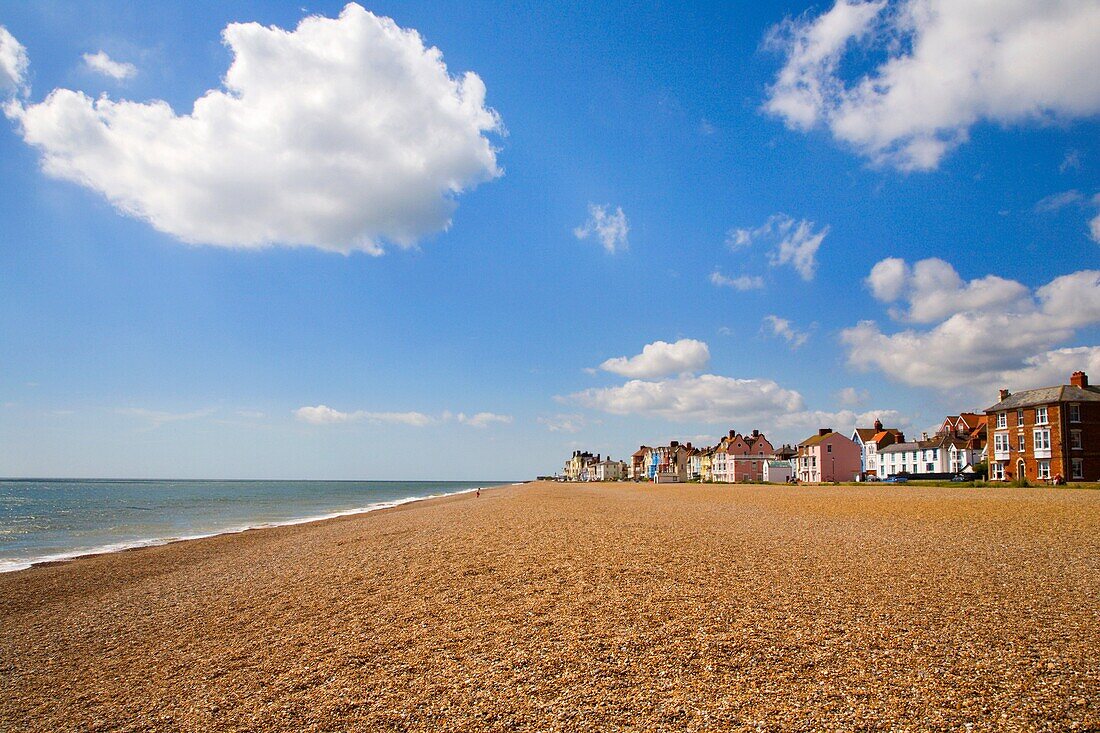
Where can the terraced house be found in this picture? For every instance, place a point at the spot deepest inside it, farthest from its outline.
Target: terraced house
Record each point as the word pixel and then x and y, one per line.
pixel 1047 433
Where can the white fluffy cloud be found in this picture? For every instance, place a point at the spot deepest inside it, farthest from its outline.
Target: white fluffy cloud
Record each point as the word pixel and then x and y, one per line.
pixel 562 423
pixel 610 227
pixel 13 62
pixel 706 397
pixel 101 63
pixel 944 65
pixel 660 359
pixel 343 134
pixel 988 332
pixel 741 282
pixel 795 243
pixel 783 328
pixel 934 290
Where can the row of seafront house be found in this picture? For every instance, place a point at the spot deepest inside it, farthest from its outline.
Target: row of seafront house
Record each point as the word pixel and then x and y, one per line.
pixel 1045 434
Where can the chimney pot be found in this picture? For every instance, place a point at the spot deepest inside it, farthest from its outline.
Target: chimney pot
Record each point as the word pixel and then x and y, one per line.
pixel 878 425
pixel 1079 379
pixel 824 431
pixel 732 433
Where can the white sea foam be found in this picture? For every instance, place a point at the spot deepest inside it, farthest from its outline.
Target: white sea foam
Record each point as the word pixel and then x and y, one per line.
pixel 12 564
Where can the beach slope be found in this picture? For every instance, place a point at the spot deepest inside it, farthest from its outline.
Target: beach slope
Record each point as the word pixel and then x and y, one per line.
pixel 583 607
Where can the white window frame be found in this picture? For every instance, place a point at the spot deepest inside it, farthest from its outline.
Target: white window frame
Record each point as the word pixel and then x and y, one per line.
pixel 1077 468
pixel 1020 443
pixel 1000 442
pixel 996 471
pixel 1041 416
pixel 1075 412
pixel 1043 468
pixel 1075 440
pixel 1041 438
pixel 1020 416
pixel 1002 420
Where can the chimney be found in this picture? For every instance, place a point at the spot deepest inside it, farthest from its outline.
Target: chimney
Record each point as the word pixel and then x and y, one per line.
pixel 732 433
pixel 824 431
pixel 674 444
pixel 878 425
pixel 688 445
pixel 924 436
pixel 1004 394
pixel 1079 379
pixel 756 433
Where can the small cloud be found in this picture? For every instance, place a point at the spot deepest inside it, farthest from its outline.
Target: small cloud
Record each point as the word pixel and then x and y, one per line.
pixel 564 423
pixel 852 397
pixel 1094 225
pixel 161 417
pixel 1058 201
pixel 1072 160
pixel 706 128
pixel 795 243
pixel 743 282
pixel 250 414
pixel 725 331
pixel 610 228
pixel 325 415
pixel 782 328
pixel 483 419
pixel 100 63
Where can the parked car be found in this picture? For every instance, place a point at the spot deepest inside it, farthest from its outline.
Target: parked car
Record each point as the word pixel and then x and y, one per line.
pixel 959 477
pixel 897 480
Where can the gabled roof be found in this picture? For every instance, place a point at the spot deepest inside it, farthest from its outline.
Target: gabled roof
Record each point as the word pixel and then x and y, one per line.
pixel 900 447
pixel 866 434
pixel 1046 396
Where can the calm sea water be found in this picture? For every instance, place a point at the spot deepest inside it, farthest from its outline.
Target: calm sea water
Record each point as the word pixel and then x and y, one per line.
pixel 60 519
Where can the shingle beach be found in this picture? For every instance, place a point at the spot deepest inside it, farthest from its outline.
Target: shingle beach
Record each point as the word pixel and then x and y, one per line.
pixel 583 607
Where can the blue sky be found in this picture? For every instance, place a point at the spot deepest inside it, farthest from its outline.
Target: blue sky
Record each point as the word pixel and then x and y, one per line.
pixel 724 176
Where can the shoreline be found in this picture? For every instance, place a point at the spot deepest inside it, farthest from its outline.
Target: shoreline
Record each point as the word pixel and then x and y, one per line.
pixel 63 558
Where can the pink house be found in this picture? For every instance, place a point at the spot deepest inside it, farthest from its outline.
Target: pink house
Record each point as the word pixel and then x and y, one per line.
pixel 741 457
pixel 828 456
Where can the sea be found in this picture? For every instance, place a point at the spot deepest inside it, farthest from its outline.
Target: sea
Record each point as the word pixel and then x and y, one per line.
pixel 59 519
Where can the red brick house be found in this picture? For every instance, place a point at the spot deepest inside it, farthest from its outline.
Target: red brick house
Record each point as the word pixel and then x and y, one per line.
pixel 1046 433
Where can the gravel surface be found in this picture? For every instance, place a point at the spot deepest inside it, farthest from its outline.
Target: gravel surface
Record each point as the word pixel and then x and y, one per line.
pixel 553 607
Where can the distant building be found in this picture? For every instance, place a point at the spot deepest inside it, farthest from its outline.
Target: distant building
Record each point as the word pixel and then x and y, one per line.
pixel 871 441
pixel 740 457
pixel 577 464
pixel 777 472
pixel 828 456
pixel 1046 433
pixel 607 470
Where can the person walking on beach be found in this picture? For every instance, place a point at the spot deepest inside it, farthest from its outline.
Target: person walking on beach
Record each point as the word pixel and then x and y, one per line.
pixel 479 492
